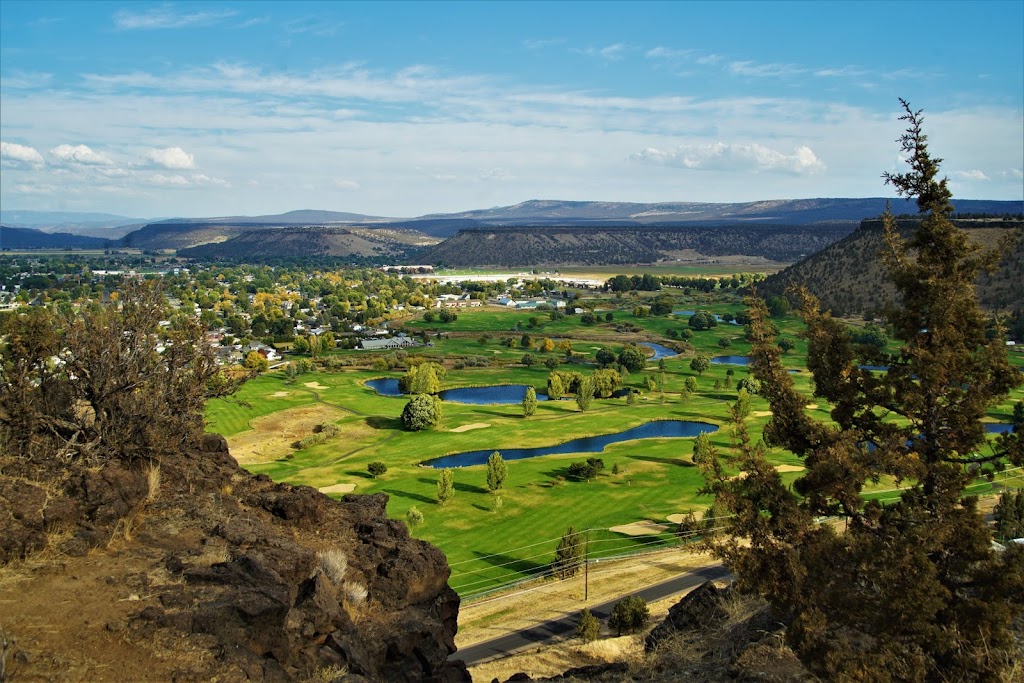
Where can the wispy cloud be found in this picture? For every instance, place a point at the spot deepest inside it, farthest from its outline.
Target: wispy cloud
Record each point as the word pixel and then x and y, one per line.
pixel 167 17
pixel 346 184
pixel 610 53
pixel 542 43
pixel 721 156
pixel 764 70
pixel 973 174
pixel 313 25
pixel 25 80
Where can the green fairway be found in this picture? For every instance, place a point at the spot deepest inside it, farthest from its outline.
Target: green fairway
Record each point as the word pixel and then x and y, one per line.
pixel 488 542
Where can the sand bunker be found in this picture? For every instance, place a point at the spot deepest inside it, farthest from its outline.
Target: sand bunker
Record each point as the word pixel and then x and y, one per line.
pixel 338 488
pixel 272 436
pixel 811 406
pixel 280 394
pixel 789 468
pixel 316 385
pixel 761 413
pixel 642 528
pixel 678 519
pixel 466 428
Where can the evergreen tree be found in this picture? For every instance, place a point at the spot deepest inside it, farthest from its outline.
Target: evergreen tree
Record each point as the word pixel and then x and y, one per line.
pixel 912 590
pixel 497 472
pixel 568 555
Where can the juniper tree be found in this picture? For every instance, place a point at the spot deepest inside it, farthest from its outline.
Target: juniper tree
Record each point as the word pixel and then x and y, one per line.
pixel 568 555
pixel 912 590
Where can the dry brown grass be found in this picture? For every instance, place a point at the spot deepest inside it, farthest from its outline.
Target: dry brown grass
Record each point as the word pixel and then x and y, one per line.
pixel 334 564
pixel 271 436
pixel 152 482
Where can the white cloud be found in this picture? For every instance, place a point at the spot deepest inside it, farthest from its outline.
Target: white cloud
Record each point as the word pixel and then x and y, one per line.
pixel 180 180
pixel 167 17
pixel 169 180
pixel 79 154
pixel 668 53
pixel 540 44
pixel 973 174
pixel 757 70
pixel 173 158
pixel 15 154
pixel 311 24
pixel 346 184
pixel 721 156
pixel 611 53
pixel 23 80
pixel 496 174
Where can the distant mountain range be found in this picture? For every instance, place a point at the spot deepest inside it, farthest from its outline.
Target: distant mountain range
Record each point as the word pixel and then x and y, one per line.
pixel 56 230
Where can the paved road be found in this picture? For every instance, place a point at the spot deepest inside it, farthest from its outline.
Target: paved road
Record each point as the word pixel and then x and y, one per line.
pixel 549 630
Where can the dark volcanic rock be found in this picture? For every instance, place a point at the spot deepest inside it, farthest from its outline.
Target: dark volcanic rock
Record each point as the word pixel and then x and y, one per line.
pixel 698 608
pixel 242 557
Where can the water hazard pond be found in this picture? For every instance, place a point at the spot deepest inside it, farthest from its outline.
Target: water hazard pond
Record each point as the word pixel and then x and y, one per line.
pixel 660 429
pixel 498 394
pixel 660 351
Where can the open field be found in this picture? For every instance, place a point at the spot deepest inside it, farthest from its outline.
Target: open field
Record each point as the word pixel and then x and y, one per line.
pixel 490 542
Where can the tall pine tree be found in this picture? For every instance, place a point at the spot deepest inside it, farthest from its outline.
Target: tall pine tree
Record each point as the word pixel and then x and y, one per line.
pixel 912 590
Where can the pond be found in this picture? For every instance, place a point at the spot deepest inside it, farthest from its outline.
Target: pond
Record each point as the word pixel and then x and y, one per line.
pixel 496 394
pixel 659 429
pixel 385 386
pixel 659 350
pixel 730 360
pixel 998 428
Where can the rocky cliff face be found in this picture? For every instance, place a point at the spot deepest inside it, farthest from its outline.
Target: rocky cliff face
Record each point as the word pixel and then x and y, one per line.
pixel 205 572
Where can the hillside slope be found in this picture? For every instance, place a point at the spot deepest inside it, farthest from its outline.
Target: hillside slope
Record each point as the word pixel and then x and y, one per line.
pixel 849 279
pixel 576 245
pixel 31 238
pixel 275 243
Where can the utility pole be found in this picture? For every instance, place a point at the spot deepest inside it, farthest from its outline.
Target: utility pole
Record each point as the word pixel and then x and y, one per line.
pixel 586 570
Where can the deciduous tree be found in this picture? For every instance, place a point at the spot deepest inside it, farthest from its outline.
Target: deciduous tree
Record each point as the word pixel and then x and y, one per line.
pixel 497 472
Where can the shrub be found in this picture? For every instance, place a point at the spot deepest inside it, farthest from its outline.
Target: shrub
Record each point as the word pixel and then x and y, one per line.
pixel 312 440
pixel 588 628
pixel 629 615
pixel 377 468
pixel 413 516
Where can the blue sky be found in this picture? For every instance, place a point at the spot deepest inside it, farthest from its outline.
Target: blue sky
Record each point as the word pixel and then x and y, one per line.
pixel 403 109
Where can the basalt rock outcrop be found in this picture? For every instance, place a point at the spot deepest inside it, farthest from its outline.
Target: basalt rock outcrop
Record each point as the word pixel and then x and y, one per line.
pixel 236 577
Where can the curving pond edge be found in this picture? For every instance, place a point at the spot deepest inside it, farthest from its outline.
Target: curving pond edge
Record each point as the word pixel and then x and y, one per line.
pixel 656 429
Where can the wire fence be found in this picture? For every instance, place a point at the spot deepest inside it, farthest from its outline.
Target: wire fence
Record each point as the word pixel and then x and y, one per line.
pixel 481 579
